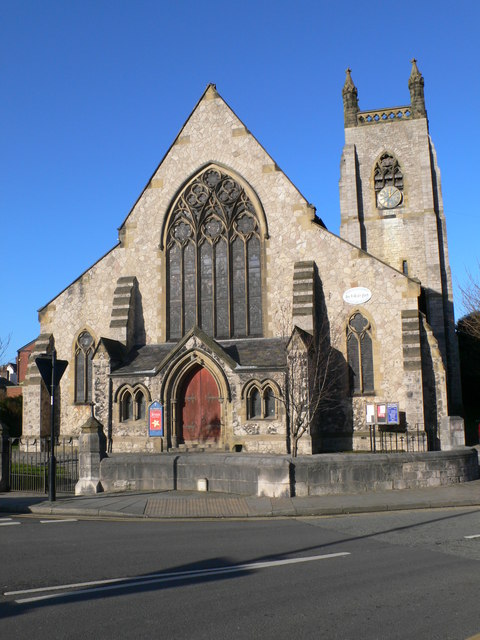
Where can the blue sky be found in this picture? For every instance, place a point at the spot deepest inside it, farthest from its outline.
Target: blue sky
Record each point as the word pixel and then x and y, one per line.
pixel 94 92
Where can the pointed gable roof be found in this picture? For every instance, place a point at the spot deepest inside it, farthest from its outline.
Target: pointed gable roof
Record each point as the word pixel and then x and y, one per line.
pixel 210 93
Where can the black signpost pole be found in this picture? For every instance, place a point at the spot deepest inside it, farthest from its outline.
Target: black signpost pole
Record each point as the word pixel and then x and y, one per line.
pixel 53 462
pixel 51 371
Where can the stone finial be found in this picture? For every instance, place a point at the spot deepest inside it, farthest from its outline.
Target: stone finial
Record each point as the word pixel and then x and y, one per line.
pixel 417 98
pixel 350 101
pixel 211 91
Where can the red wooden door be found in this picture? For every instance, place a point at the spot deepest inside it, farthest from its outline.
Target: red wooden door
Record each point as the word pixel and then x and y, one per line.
pixel 200 407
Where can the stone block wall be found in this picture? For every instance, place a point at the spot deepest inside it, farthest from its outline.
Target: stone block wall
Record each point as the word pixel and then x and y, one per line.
pixel 282 476
pixel 214 134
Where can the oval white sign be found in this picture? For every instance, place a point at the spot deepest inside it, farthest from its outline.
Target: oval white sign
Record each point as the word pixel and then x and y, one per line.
pixel 357 295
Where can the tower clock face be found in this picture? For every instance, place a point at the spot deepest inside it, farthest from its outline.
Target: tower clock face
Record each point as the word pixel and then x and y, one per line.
pixel 389 198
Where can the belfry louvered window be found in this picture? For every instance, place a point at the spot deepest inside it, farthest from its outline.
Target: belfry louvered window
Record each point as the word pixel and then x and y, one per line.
pixel 388 173
pixel 213 249
pixel 84 348
pixel 360 354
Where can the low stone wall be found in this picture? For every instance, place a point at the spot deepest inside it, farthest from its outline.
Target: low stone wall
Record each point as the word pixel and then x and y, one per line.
pixel 356 473
pixel 277 476
pixel 245 474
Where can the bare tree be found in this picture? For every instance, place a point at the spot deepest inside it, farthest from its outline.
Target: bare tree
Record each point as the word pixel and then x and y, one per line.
pixel 314 379
pixel 4 344
pixel 471 303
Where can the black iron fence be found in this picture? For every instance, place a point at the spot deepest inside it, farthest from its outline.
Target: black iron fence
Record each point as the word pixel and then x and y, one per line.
pixel 29 460
pixel 406 440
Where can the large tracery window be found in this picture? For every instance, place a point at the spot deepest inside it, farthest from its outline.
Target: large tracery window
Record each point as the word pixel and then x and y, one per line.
pixel 84 348
pixel 360 354
pixel 214 260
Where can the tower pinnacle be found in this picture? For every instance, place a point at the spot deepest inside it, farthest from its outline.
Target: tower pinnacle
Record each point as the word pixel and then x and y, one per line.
pixel 417 98
pixel 350 101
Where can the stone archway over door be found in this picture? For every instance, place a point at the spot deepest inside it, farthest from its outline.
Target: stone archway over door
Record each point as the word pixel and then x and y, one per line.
pixel 200 407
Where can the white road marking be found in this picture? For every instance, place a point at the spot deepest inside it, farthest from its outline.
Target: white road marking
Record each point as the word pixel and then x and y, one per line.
pixel 65 520
pixel 122 583
pixel 6 524
pixel 477 535
pixel 4 519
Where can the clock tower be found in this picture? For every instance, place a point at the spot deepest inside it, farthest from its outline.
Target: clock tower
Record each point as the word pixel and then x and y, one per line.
pixel 391 207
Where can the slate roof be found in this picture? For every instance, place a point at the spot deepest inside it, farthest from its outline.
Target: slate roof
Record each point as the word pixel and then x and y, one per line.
pixel 249 353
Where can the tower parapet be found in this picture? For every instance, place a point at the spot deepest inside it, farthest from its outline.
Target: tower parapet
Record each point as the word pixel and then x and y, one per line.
pixel 416 109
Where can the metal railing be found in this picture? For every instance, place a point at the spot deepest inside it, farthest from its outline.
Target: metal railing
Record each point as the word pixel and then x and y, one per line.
pixel 408 440
pixel 29 459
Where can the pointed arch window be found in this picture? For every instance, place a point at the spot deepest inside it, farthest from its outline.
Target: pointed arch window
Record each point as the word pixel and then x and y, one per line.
pixel 360 354
pixel 84 348
pixel 133 404
pixel 140 406
pixel 127 406
pixel 260 402
pixel 213 248
pixel 255 404
pixel 269 400
pixel 388 173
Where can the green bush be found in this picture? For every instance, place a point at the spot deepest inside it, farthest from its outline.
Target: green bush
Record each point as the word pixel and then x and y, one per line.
pixel 11 415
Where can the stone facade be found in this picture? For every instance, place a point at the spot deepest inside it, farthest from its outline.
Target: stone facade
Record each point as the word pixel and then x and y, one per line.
pixel 115 324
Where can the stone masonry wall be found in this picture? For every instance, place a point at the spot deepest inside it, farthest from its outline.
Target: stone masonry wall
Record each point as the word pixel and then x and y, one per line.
pixel 213 134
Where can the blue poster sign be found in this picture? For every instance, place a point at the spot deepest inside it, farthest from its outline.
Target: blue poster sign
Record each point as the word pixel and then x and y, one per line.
pixel 155 419
pixel 392 413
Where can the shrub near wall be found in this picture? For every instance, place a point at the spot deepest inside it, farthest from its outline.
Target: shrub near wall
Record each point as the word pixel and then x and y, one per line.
pixel 11 415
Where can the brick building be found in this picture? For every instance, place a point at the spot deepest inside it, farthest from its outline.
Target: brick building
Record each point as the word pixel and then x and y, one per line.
pixel 227 301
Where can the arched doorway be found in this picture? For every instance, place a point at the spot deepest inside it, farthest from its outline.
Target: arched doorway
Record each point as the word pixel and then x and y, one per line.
pixel 199 407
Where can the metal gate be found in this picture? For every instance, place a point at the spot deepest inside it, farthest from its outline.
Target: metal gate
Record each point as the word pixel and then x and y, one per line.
pixel 29 461
pixel 384 440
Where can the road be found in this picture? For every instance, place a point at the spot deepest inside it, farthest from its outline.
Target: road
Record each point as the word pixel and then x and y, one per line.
pixel 391 575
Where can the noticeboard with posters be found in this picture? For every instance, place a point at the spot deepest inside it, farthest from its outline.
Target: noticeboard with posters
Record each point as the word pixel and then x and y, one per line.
pixel 381 413
pixel 370 413
pixel 392 413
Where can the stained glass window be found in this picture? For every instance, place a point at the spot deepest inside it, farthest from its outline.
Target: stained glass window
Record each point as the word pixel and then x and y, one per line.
pixel 213 251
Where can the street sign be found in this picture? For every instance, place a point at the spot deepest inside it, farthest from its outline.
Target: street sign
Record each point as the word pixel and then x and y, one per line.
pixel 51 371
pixel 44 364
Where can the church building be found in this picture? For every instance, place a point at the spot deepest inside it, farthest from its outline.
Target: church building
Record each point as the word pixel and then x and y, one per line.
pixel 230 314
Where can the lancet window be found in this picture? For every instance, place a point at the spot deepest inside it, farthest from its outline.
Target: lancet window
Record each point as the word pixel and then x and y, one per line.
pixel 84 348
pixel 260 403
pixel 133 404
pixel 213 249
pixel 360 354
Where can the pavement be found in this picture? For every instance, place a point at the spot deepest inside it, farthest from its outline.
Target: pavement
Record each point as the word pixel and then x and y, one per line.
pixel 192 504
